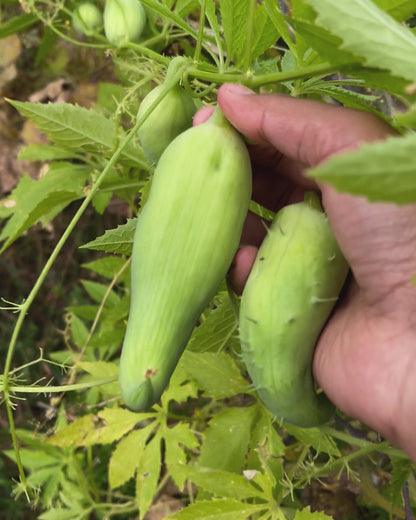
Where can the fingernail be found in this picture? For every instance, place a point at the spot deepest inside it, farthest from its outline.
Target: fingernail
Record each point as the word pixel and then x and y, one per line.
pixel 240 90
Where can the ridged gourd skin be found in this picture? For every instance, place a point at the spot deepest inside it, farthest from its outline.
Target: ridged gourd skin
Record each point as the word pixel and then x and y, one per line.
pixel 87 18
pixel 184 243
pixel 295 281
pixel 124 21
pixel 172 116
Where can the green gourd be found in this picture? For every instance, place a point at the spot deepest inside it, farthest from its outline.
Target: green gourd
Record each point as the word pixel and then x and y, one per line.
pixel 184 243
pixel 124 21
pixel 87 19
pixel 295 281
pixel 172 116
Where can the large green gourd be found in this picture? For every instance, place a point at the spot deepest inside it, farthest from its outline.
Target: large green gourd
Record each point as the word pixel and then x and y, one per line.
pixel 184 243
pixel 294 283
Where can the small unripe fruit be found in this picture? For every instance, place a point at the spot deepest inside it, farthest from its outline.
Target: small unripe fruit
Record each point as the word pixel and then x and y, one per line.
pixel 124 21
pixel 87 19
pixel 172 116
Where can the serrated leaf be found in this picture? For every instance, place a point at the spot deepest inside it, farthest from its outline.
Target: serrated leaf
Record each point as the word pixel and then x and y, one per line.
pixel 104 428
pixel 222 484
pixel 148 473
pixel 119 240
pixel 216 331
pixel 17 24
pixel 314 437
pixel 407 118
pixel 227 509
pixel 176 440
pixel 111 424
pixel 216 373
pixel 231 427
pixel 327 45
pixel 382 171
pixel 369 32
pixel 44 152
pixel 265 34
pixel 73 434
pixel 402 468
pixel 79 332
pixel 97 292
pixel 234 21
pixel 99 370
pixel 306 514
pixel 109 267
pixel 79 129
pixel 126 456
pixel 33 200
pixel 400 10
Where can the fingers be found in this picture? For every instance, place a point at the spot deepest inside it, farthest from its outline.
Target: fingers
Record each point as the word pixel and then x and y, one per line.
pixel 241 267
pixel 303 130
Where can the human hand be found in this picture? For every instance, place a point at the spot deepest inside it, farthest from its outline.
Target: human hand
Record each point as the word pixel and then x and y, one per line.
pixel 365 359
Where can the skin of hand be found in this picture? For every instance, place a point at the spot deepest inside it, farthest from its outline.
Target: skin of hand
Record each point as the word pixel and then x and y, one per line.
pixel 365 359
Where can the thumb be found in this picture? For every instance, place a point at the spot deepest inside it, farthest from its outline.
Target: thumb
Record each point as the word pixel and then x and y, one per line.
pixel 303 130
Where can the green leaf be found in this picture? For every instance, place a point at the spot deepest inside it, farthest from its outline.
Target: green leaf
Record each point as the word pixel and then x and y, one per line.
pixel 97 292
pixel 306 514
pixel 222 483
pixel 106 427
pixel 126 456
pixel 79 332
pixel 231 427
pixel 73 434
pixel 369 32
pixel 17 24
pixel 402 469
pixel 79 129
pixel 327 45
pixel 99 370
pixel 44 152
pixel 265 34
pixel 279 21
pixel 119 240
pixel 234 21
pixel 382 171
pixel 111 424
pixel 216 331
pixel 148 472
pixel 109 267
pixel 227 509
pixel 400 10
pixel 33 200
pixel 216 373
pixel 314 437
pixel 407 118
pixel 176 439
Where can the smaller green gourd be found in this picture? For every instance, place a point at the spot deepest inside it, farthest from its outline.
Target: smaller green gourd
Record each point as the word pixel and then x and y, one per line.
pixel 124 21
pixel 294 283
pixel 172 116
pixel 87 19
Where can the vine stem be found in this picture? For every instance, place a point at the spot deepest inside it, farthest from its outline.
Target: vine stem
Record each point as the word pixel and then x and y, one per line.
pixel 260 80
pixel 176 73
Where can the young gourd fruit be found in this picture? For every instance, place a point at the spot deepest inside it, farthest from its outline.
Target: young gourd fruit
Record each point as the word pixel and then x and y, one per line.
pixel 172 116
pixel 124 21
pixel 295 281
pixel 87 19
pixel 186 236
